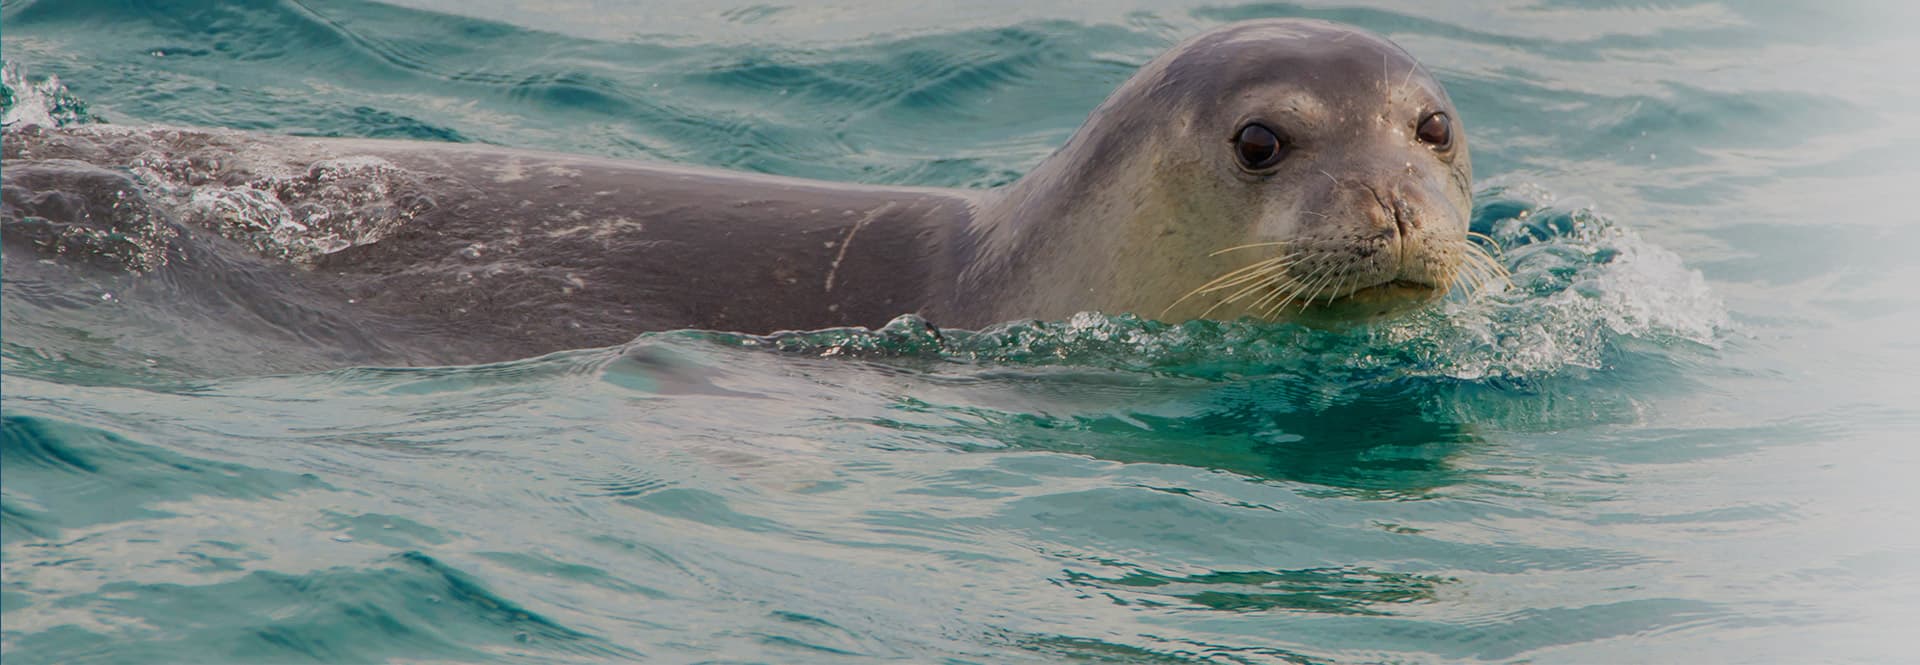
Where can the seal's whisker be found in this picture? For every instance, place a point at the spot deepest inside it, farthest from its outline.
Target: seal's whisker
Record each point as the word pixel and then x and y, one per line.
pixel 1352 285
pixel 1460 275
pixel 1338 286
pixel 1488 239
pixel 1477 267
pixel 1270 281
pixel 1469 275
pixel 1274 282
pixel 1487 259
pixel 1217 304
pixel 1314 292
pixel 1497 270
pixel 1242 293
pixel 1234 278
pixel 1291 288
pixel 1487 271
pixel 1259 282
pixel 1300 288
pixel 1250 272
pixel 1253 272
pixel 1469 278
pixel 1278 290
pixel 1475 249
pixel 1328 289
pixel 1272 312
pixel 1235 248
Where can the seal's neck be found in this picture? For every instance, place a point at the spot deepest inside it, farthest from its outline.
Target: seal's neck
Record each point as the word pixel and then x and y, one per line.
pixel 1084 229
pixel 1049 245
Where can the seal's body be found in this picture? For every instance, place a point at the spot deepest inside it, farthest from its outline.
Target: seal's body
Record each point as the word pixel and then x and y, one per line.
pixel 1273 168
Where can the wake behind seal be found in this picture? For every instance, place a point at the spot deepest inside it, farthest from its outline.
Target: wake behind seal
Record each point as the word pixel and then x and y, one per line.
pixel 1277 169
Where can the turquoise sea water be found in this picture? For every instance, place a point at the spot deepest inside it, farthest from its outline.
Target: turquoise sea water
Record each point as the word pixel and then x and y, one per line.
pixel 1686 433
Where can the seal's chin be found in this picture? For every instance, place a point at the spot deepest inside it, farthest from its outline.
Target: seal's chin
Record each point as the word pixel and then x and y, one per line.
pixel 1381 300
pixel 1392 291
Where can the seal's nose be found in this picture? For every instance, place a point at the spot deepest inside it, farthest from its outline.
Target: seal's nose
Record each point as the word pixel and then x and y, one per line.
pixel 1403 216
pixel 1392 219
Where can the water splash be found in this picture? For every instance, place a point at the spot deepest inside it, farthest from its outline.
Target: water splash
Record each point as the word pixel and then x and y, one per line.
pixel 259 193
pixel 25 101
pixel 335 204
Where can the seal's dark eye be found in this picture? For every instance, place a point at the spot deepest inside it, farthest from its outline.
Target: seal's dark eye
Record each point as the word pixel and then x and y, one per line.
pixel 1436 131
pixel 1258 147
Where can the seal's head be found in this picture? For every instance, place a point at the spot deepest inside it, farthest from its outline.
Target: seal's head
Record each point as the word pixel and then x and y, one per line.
pixel 1286 168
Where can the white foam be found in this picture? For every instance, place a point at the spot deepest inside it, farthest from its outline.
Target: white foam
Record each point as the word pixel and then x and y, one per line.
pixel 35 103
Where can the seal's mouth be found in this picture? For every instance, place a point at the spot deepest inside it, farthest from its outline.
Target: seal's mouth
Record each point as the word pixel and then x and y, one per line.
pixel 1396 289
pixel 1371 302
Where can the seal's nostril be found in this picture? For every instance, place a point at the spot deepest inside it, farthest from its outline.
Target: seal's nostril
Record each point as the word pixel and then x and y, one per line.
pixel 1391 209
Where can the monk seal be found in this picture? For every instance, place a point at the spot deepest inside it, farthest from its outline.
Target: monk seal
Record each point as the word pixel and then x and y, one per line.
pixel 1275 168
